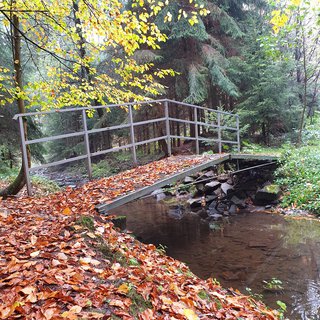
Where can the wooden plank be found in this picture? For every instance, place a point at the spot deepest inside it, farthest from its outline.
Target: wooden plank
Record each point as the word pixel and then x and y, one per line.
pixel 104 208
pixel 239 156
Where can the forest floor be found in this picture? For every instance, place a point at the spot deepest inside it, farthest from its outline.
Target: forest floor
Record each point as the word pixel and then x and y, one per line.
pixel 61 260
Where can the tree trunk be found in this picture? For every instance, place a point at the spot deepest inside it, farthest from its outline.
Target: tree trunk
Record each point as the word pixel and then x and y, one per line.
pixel 305 84
pixel 15 186
pixel 20 180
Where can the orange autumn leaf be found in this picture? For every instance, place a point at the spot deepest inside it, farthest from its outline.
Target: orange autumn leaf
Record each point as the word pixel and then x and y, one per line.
pixel 124 288
pixel 67 211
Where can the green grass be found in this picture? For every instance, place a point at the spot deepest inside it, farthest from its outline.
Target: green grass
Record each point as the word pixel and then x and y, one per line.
pixel 40 184
pixel 44 185
pixel 7 174
pixel 253 148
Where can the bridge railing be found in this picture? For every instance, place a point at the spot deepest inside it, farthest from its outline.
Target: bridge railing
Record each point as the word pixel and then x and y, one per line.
pixel 205 125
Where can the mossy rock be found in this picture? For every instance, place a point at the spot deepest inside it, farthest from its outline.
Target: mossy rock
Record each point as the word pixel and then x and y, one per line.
pixel 267 194
pixel 272 188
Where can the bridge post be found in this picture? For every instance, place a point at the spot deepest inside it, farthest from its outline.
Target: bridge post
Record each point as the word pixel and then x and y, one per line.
pixel 166 112
pixel 86 142
pixel 219 132
pixel 25 156
pixel 133 143
pixel 196 135
pixel 238 132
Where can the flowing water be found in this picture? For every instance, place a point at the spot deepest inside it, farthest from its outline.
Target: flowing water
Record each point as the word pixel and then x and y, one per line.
pixel 245 251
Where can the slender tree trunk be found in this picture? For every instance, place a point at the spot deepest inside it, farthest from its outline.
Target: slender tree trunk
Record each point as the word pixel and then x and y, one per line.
pixel 20 180
pixel 305 80
pixel 305 83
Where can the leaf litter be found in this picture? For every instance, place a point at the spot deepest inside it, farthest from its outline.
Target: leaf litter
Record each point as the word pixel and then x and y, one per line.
pixel 56 265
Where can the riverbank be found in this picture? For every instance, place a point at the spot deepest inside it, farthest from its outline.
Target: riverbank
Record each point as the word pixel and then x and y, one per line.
pixel 61 260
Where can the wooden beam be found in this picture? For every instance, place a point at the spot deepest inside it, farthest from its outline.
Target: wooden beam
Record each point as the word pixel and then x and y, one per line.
pixel 239 156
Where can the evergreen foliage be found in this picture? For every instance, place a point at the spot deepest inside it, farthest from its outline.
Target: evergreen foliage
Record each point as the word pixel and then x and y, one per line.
pixel 183 29
pixel 197 79
pixel 200 54
pixel 269 101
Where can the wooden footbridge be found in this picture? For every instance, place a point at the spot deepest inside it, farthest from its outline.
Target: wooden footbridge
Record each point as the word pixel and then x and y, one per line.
pixel 205 163
pixel 204 127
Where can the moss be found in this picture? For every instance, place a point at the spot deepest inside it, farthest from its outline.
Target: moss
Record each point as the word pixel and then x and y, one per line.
pixel 272 188
pixel 139 304
pixel 133 262
pixel 189 273
pixel 202 294
pixel 105 250
pixel 218 303
pixel 87 222
pixel 110 254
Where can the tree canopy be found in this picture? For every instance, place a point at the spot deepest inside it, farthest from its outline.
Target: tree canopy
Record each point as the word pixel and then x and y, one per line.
pixel 84 50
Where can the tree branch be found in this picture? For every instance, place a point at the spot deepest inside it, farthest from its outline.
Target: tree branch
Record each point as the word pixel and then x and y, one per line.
pixel 57 57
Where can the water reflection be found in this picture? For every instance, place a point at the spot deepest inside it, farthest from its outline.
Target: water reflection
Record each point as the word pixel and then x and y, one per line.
pixel 243 251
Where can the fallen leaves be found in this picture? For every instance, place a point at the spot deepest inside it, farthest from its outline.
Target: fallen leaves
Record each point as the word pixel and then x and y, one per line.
pixel 124 288
pixel 190 314
pixel 34 254
pixel 54 267
pixel 67 211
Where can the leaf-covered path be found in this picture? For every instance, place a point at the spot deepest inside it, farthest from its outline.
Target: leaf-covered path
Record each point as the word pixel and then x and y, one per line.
pixel 61 260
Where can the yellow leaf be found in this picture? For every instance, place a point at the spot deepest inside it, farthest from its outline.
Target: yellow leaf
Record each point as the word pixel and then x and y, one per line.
pixel 71 314
pixel 124 288
pixel 76 309
pixel 190 314
pixel 296 2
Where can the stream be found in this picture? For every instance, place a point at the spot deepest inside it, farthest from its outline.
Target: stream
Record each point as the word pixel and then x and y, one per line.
pixel 251 252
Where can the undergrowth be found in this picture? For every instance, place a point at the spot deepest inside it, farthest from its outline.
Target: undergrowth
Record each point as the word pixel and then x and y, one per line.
pixel 299 171
pixel 253 148
pixel 41 185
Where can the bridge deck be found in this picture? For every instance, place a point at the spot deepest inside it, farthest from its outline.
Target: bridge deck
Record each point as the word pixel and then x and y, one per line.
pixel 202 163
